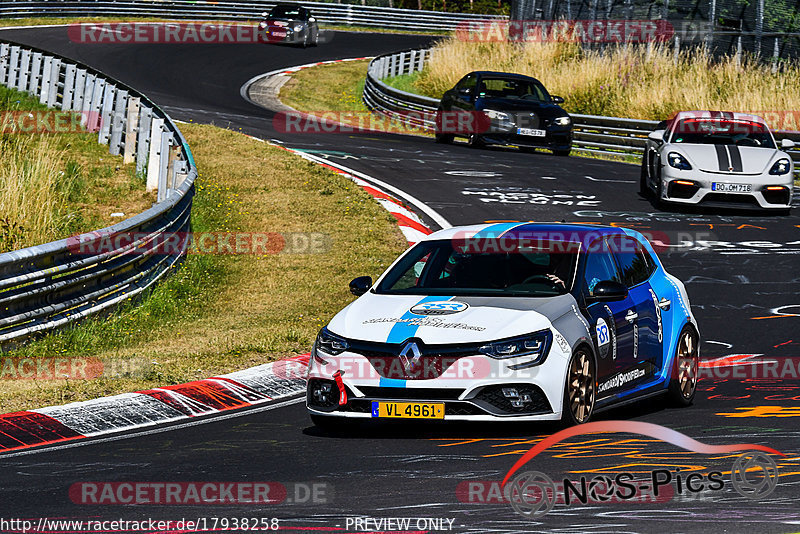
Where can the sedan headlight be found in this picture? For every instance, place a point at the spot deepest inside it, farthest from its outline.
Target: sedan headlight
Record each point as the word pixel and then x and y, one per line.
pixel 298 27
pixel 563 121
pixel 328 344
pixel 781 167
pixel 533 346
pixel 498 115
pixel 262 25
pixel 677 161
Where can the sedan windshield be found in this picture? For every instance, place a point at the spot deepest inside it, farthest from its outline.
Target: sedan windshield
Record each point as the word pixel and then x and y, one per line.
pixel 514 88
pixel 490 268
pixel 722 132
pixel 284 12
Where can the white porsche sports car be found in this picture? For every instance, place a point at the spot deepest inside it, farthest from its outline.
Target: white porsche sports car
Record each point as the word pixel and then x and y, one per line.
pixel 508 321
pixel 720 159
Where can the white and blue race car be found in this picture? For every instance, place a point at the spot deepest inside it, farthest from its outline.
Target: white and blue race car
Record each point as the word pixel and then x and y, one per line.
pixel 508 321
pixel 719 159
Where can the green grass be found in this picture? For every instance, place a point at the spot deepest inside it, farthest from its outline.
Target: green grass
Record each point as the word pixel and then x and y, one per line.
pixel 220 313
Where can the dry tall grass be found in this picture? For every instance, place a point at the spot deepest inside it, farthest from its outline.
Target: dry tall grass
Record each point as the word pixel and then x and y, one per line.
pixel 29 200
pixel 621 81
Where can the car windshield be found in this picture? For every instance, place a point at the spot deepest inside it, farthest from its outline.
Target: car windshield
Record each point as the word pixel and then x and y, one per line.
pixel 514 88
pixel 484 267
pixel 722 132
pixel 284 12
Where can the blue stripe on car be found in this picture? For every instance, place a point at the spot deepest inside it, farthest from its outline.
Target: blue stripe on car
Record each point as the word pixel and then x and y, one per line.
pixel 391 383
pixel 402 331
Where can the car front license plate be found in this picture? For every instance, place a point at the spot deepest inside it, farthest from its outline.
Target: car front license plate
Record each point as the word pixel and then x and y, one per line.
pixel 531 132
pixel 408 410
pixel 278 33
pixel 731 188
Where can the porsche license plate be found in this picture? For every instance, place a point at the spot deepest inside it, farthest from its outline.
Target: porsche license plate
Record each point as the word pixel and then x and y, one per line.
pixel 532 132
pixel 731 188
pixel 408 410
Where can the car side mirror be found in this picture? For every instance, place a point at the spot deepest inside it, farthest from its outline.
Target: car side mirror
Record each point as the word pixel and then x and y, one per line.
pixel 609 290
pixel 360 285
pixel 557 99
pixel 657 136
pixel 787 144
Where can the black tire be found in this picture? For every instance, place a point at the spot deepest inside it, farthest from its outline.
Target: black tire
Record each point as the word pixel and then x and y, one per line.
pixel 660 204
pixel 644 189
pixel 562 153
pixel 475 141
pixel 445 139
pixel 304 44
pixel 685 365
pixel 580 389
pixel 315 38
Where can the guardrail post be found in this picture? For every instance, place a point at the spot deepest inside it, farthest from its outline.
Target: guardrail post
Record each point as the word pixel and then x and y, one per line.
pixel 36 73
pixel 24 70
pixel 154 157
pixel 13 67
pixel 44 88
pixel 143 141
pixel 412 62
pixel 171 169
pixel 401 66
pixel 69 87
pixel 422 58
pixel 77 94
pixel 106 114
pixel 93 105
pixel 131 130
pixel 163 164
pixel 4 61
pixel 52 86
pixel 118 122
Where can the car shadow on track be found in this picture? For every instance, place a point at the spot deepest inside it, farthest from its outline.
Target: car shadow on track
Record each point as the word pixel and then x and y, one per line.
pixel 370 429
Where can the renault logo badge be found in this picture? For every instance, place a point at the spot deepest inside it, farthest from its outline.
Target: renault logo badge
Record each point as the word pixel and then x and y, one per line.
pixel 413 350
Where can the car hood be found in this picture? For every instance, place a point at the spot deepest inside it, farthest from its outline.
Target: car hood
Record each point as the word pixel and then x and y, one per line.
pixel 754 160
pixel 543 109
pixel 388 318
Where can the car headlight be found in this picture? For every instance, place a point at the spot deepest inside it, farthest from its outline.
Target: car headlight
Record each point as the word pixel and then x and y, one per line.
pixel 298 27
pixel 563 121
pixel 780 167
pixel 262 25
pixel 533 346
pixel 678 161
pixel 328 344
pixel 498 115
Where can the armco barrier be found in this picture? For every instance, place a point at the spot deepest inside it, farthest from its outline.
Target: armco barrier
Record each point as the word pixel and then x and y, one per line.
pixel 51 285
pixel 591 133
pixel 330 13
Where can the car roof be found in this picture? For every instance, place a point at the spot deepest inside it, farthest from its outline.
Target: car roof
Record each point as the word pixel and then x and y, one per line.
pixel 559 231
pixel 503 74
pixel 718 115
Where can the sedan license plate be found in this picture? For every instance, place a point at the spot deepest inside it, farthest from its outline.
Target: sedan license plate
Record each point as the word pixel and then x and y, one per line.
pixel 731 188
pixel 531 132
pixel 278 33
pixel 407 410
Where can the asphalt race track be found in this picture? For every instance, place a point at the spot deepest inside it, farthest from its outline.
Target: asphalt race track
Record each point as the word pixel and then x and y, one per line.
pixel 740 269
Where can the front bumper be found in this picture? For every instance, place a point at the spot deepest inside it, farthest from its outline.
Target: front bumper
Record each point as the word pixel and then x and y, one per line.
pixel 555 139
pixel 284 35
pixel 473 388
pixel 674 189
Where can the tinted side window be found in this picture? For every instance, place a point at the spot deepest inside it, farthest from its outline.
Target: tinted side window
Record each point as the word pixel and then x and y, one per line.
pixel 468 82
pixel 599 265
pixel 634 262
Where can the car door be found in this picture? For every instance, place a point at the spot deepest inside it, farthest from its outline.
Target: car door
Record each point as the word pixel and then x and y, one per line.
pixel 636 266
pixel 612 331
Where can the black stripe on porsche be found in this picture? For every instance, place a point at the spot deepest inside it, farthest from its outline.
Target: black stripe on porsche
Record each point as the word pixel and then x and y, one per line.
pixel 736 158
pixel 722 157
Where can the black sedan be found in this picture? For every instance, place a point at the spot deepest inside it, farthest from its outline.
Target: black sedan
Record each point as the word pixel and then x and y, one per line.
pixel 500 108
pixel 289 23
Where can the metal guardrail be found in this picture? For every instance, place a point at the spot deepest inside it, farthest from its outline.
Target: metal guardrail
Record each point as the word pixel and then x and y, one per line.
pixel 591 133
pixel 54 284
pixel 330 13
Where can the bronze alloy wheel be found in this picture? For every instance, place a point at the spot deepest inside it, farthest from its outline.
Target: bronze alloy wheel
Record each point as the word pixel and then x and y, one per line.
pixel 687 359
pixel 580 390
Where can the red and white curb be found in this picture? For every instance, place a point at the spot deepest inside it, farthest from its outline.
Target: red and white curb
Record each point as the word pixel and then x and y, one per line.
pixel 132 411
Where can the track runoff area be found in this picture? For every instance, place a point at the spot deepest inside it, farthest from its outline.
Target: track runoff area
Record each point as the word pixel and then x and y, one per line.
pixel 269 467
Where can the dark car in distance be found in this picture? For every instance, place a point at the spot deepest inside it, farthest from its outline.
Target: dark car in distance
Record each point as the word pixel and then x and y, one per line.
pixel 512 109
pixel 289 23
